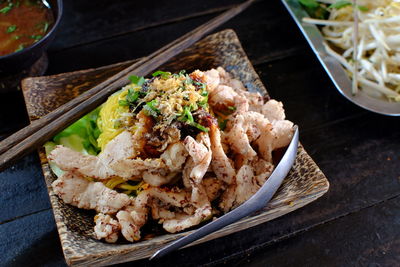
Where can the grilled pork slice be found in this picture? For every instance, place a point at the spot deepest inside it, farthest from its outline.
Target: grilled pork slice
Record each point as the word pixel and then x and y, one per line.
pixel 133 217
pixel 245 128
pixel 249 179
pixel 220 163
pixel 121 147
pixel 157 171
pixel 200 152
pixel 116 161
pixel 185 221
pixel 175 208
pixel 193 173
pixel 273 110
pixel 106 227
pixel 85 194
pixel 227 91
pixel 130 229
pixel 279 136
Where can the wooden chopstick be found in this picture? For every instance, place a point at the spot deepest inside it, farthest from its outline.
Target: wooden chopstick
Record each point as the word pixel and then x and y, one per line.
pixel 116 81
pixel 41 130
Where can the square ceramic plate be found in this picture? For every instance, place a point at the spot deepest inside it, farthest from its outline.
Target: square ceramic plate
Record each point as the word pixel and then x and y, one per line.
pixel 304 184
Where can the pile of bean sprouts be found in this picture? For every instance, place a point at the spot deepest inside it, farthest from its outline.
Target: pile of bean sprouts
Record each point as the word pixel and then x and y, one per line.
pixel 377 57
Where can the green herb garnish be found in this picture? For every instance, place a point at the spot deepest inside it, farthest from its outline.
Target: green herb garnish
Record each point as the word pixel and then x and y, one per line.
pixel 123 103
pixel 151 109
pixel 132 96
pixel 340 4
pixel 45 26
pixel 199 126
pixel 82 134
pixel 36 37
pixel 203 103
pixel 152 104
pixel 138 80
pixel 186 115
pixel 315 9
pixel 162 74
pixel 201 85
pixel 6 9
pixel 11 28
pixel 309 3
pixel 232 108
pixel 188 80
pixel 149 112
pixel 222 123
pixel 363 8
pixel 20 47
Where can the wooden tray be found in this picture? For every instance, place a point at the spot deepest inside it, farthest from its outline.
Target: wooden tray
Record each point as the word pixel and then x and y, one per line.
pixel 304 184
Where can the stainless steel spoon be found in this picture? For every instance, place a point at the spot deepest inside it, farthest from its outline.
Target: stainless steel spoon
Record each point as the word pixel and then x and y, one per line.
pixel 46 4
pixel 256 202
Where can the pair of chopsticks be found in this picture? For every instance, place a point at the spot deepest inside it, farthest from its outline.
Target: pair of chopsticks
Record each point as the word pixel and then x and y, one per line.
pixel 41 130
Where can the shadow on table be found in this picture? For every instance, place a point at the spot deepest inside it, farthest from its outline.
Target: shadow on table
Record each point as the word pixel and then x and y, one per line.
pixel 44 252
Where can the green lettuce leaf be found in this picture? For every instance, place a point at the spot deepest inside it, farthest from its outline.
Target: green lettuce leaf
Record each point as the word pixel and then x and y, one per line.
pixel 80 136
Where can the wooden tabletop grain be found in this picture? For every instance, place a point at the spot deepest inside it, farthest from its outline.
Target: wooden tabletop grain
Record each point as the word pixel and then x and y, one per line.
pixel 356 223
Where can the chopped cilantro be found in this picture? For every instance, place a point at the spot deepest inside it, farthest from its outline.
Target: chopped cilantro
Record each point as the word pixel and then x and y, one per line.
pixel 123 103
pixel 152 105
pixel 149 111
pixel 222 123
pixel 11 28
pixel 6 9
pixel 314 9
pixel 132 95
pixel 340 4
pixel 36 37
pixel 137 80
pixel 309 3
pixel 20 47
pixel 162 74
pixel 363 8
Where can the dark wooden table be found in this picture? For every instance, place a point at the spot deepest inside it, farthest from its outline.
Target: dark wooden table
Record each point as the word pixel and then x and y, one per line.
pixel 356 223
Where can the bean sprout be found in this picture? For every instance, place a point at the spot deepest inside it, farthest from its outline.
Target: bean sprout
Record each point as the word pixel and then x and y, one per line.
pixel 377 47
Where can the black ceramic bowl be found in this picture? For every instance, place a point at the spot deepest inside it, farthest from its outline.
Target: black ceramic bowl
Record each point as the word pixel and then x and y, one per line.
pixel 21 60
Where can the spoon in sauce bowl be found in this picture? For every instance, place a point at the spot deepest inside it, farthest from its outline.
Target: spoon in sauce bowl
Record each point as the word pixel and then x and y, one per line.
pixel 45 3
